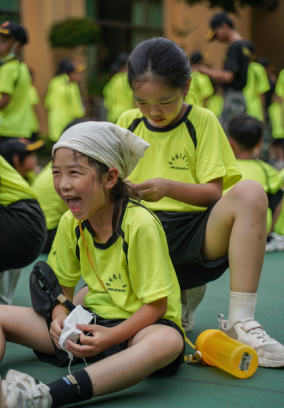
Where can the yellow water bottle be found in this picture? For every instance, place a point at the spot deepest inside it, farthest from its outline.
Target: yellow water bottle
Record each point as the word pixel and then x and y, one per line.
pixel 220 350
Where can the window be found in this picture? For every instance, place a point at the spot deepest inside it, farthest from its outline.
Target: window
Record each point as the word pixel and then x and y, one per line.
pixel 9 11
pixel 123 23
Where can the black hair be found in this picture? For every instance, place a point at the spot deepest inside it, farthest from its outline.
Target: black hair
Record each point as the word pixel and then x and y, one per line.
pixel 264 62
pixel 121 191
pixel 162 58
pixel 246 131
pixel 22 157
pixel 120 61
pixel 221 18
pixel 65 67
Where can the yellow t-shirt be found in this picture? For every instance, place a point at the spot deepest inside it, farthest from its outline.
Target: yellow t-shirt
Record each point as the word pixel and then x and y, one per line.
pixel 200 89
pixel 34 100
pixel 279 89
pixel 254 169
pixel 15 118
pixel 276 115
pixel 215 103
pixel 64 104
pixel 50 202
pixel 118 96
pixel 257 84
pixel 270 179
pixel 193 150
pixel 13 187
pixel 135 268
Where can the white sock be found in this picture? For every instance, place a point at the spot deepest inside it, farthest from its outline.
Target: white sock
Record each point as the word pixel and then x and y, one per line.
pixel 242 306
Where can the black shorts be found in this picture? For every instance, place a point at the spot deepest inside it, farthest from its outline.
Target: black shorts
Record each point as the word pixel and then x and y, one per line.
pixel 60 359
pixel 22 233
pixel 185 232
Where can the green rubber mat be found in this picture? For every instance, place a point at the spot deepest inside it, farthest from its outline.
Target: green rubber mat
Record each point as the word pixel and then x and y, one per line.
pixel 194 385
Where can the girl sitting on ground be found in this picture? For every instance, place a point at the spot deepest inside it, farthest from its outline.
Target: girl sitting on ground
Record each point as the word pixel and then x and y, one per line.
pixel 134 291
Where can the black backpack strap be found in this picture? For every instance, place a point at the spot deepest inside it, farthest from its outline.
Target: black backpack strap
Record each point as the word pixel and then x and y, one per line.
pixel 134 124
pixel 49 285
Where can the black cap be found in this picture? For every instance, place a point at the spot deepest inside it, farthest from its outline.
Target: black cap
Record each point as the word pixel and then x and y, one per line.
pixel 196 57
pixel 217 21
pixel 13 29
pixel 66 66
pixel 264 62
pixel 17 146
pixel 119 62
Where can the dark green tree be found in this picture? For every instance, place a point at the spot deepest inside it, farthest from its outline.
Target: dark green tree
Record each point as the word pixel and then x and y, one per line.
pixel 73 32
pixel 233 5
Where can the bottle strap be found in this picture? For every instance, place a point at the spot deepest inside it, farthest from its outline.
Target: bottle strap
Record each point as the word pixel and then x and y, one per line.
pixel 89 256
pixel 192 358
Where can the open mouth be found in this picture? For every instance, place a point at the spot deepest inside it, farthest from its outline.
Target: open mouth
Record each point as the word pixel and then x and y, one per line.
pixel 74 203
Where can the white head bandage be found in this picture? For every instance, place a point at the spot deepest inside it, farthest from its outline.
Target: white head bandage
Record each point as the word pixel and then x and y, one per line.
pixel 106 143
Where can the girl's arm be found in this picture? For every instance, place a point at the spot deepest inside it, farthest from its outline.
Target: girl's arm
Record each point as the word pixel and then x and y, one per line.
pixel 105 337
pixel 201 195
pixel 59 314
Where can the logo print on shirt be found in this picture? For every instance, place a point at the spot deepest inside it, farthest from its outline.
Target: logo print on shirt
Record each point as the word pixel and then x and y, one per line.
pixel 115 284
pixel 179 162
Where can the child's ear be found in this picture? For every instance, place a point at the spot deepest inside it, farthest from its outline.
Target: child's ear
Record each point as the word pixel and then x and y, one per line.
pixel 15 160
pixel 111 178
pixel 259 144
pixel 18 46
pixel 187 86
pixel 231 141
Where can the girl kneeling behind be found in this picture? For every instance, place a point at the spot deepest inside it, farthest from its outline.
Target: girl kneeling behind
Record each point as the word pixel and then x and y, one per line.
pixel 135 294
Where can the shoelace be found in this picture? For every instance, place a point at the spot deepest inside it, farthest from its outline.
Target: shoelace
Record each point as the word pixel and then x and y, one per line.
pixel 261 334
pixel 69 365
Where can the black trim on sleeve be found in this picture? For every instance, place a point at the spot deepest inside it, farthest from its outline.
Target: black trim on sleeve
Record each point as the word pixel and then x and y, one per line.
pixel 191 131
pixel 124 245
pixel 77 232
pixel 134 124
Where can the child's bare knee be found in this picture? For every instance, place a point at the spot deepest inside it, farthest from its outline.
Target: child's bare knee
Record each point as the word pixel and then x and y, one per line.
pixel 172 343
pixel 250 194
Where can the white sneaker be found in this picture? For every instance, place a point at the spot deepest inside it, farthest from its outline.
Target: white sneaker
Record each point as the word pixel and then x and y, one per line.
pixel 190 299
pixel 20 390
pixel 3 392
pixel 274 246
pixel 248 331
pixel 277 237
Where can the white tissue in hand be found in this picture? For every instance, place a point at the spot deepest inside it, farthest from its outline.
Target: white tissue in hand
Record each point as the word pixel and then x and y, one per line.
pixel 70 332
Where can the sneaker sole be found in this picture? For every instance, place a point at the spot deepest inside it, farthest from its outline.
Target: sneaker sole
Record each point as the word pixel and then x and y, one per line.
pixel 263 362
pixel 2 400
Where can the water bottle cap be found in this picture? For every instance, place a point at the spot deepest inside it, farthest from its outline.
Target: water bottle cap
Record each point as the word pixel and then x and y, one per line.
pixel 201 339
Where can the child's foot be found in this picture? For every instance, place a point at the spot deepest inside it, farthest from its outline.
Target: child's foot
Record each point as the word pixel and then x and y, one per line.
pixel 190 299
pixel 20 390
pixel 248 331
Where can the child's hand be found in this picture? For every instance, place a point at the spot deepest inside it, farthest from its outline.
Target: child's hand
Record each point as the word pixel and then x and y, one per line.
pixel 56 328
pixel 153 189
pixel 98 341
